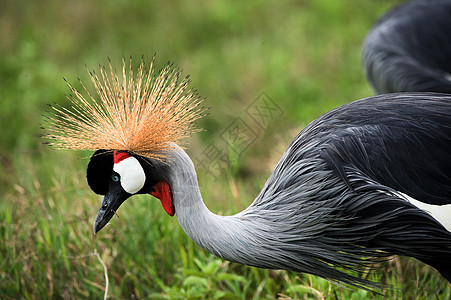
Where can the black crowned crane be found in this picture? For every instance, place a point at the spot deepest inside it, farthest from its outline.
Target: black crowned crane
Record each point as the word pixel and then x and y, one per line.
pixel 362 182
pixel 409 49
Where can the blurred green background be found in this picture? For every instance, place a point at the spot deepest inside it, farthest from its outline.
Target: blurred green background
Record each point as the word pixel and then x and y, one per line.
pixel 304 55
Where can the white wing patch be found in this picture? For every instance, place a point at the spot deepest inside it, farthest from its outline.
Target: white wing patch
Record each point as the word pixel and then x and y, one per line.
pixel 442 213
pixel 132 174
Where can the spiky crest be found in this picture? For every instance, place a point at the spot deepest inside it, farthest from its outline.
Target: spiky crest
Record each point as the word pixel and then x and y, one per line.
pixel 143 113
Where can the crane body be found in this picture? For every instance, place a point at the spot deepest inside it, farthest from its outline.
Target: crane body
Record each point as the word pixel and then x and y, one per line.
pixel 408 49
pixel 364 181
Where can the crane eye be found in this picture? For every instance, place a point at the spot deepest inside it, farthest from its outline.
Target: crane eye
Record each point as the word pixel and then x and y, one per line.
pixel 115 178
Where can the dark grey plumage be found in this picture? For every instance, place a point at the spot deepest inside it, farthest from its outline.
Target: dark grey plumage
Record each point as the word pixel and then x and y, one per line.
pixel 409 49
pixel 346 167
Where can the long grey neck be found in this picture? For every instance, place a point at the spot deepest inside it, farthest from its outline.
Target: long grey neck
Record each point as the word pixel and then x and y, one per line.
pixel 267 234
pixel 224 236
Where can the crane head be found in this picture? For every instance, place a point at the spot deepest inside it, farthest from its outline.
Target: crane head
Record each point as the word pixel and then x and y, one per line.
pixel 119 175
pixel 132 125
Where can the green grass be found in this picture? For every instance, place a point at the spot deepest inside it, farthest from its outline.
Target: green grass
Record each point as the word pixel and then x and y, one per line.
pixel 305 55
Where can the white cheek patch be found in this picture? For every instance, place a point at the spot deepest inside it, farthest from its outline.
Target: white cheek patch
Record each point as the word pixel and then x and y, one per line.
pixel 132 174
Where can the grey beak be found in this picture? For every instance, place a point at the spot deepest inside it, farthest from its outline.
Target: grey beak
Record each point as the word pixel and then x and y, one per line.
pixel 110 204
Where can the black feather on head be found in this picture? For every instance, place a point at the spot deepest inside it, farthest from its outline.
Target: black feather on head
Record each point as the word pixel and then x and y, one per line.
pixel 99 171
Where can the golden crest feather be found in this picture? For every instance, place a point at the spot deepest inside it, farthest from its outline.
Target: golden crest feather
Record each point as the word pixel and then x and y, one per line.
pixel 143 113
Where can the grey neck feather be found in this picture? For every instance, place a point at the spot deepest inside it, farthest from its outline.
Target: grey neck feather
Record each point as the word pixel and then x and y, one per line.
pixel 205 228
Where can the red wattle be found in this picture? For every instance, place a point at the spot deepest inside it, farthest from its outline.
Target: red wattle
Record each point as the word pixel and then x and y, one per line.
pixel 163 193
